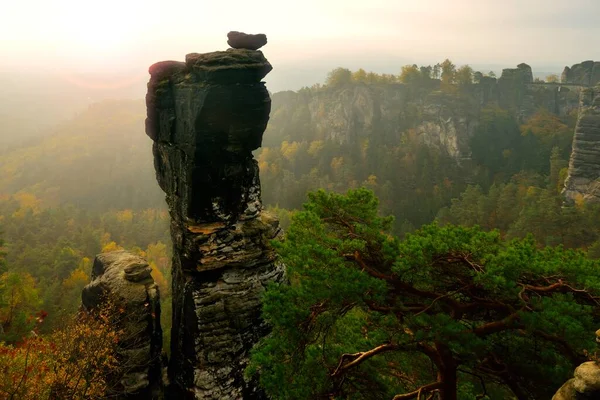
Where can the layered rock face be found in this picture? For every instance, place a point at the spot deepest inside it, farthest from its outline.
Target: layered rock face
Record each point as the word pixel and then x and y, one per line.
pixel 586 73
pixel 583 180
pixel 206 116
pixel 124 279
pixel 379 113
pixel 444 120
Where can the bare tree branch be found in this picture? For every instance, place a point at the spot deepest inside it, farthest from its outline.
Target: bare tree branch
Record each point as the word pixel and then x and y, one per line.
pixel 358 358
pixel 417 393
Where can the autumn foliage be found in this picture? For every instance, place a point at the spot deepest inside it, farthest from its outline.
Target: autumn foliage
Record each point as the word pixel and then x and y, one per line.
pixel 74 363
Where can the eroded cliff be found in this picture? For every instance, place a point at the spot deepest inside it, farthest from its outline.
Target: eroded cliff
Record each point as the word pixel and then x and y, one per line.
pixel 586 73
pixel 206 115
pixel 583 180
pixel 445 117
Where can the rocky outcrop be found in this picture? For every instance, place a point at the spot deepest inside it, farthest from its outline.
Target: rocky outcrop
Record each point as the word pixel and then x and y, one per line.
pixel 585 383
pixel 586 73
pixel 241 40
pixel 512 90
pixel 379 113
pixel 583 180
pixel 444 118
pixel 206 116
pixel 124 280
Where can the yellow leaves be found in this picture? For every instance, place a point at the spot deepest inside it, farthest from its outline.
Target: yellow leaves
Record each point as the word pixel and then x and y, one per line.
pixel 315 148
pixel 77 280
pixel 579 201
pixel 85 264
pixel 359 76
pixel 27 202
pixel 267 155
pixel 159 279
pixel 105 239
pixel 263 166
pixel 158 259
pixel 544 125
pixel 125 216
pixel 111 246
pixel 275 169
pixel 289 150
pixel 73 362
pixel 410 74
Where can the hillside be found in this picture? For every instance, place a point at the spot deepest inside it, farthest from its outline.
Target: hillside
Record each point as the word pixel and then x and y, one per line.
pixel 418 140
pixel 100 159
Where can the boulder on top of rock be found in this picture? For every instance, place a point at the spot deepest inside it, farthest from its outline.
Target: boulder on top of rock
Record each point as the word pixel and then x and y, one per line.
pixel 241 40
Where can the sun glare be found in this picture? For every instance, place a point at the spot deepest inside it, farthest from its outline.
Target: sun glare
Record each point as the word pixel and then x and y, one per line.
pixel 106 26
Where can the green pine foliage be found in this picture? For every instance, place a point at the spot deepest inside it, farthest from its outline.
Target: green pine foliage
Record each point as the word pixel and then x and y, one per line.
pixel 457 310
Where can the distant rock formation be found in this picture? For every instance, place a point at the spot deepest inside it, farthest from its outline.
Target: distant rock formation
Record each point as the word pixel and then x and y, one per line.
pixel 358 111
pixel 206 116
pixel 586 73
pixel 522 73
pixel 124 279
pixel 241 40
pixel 583 180
pixel 512 89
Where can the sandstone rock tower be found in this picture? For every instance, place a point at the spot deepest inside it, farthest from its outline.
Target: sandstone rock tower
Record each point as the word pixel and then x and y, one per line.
pixel 206 115
pixel 583 180
pixel 124 279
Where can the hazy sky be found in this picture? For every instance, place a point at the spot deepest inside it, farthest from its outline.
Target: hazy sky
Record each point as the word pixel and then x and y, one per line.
pixel 113 36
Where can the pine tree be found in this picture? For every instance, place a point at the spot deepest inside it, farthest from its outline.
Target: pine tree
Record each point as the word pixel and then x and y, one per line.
pixel 449 311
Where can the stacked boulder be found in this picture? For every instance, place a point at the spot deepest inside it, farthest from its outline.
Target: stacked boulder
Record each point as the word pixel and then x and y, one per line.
pixel 206 115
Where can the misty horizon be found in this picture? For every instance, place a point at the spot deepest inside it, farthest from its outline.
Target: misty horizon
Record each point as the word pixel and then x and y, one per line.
pixel 119 40
pixel 61 56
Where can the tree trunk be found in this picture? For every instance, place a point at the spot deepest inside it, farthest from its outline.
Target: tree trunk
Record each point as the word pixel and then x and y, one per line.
pixel 447 373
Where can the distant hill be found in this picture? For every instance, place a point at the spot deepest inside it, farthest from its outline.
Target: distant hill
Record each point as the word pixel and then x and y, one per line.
pixel 33 102
pixel 100 159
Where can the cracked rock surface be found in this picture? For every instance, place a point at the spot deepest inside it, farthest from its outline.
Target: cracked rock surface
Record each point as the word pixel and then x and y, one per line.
pixel 125 280
pixel 206 115
pixel 583 180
